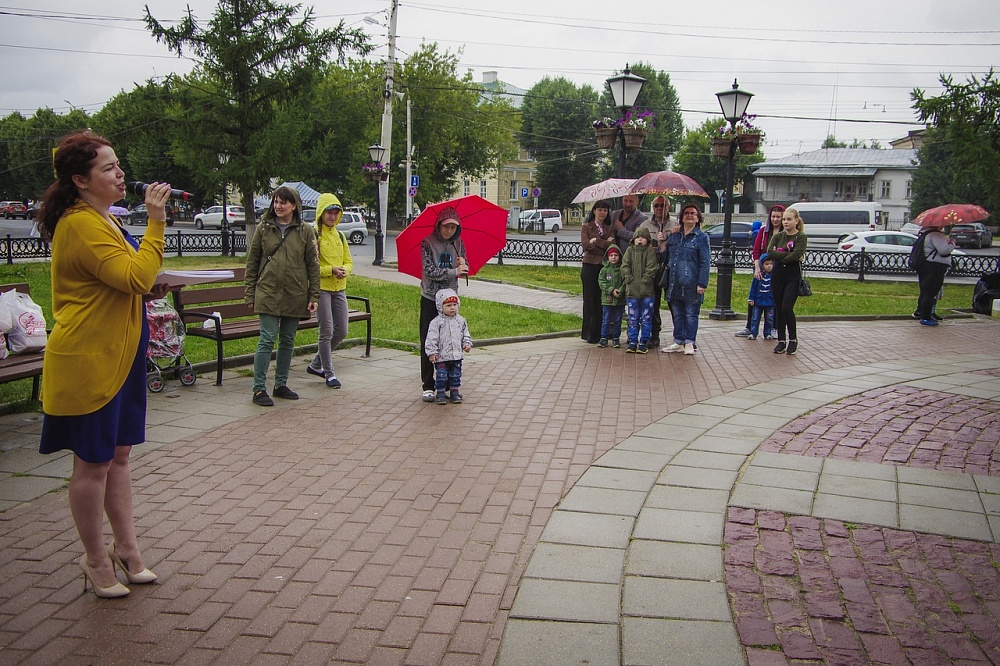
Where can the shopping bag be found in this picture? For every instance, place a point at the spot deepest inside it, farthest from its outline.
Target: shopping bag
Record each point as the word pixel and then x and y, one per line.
pixel 27 332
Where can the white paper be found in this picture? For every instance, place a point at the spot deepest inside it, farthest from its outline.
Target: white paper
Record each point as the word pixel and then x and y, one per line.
pixel 182 278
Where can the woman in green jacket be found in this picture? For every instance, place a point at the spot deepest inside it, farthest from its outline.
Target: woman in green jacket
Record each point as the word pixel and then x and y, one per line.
pixel 787 248
pixel 282 287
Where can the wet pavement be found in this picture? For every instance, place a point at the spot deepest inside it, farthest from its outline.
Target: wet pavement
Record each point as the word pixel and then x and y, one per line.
pixel 582 506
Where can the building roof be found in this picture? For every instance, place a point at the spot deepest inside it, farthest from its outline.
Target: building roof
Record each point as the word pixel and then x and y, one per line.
pixel 845 162
pixel 494 87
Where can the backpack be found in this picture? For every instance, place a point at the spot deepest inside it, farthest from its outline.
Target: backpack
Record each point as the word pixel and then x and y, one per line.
pixel 917 254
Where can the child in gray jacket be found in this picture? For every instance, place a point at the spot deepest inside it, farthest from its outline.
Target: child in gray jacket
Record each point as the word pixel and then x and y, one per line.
pixel 447 340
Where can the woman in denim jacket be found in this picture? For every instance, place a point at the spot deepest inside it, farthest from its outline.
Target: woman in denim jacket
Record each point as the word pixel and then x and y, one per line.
pixel 688 261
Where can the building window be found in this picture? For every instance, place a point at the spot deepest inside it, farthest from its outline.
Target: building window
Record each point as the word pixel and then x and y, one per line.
pixel 909 189
pixel 838 188
pixel 482 188
pixel 793 188
pixel 513 191
pixel 816 189
pixel 863 189
pixel 466 187
pixel 886 189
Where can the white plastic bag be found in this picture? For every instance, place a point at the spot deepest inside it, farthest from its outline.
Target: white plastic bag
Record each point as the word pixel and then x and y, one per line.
pixel 27 334
pixel 210 323
pixel 34 232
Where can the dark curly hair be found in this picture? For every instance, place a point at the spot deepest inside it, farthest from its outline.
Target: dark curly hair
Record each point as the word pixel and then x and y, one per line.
pixel 74 157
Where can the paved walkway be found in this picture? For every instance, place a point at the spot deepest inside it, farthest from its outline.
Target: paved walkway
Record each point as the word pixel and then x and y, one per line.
pixel 735 507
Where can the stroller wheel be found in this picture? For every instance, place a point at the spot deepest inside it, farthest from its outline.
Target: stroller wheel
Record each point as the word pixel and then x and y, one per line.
pixel 187 376
pixel 155 383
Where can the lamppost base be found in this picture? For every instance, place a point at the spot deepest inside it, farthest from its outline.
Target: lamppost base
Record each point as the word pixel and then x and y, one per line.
pixel 722 314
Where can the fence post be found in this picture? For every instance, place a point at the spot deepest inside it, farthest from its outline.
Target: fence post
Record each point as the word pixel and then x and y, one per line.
pixel 861 266
pixel 225 240
pixel 555 252
pixel 180 248
pixel 10 253
pixel 500 258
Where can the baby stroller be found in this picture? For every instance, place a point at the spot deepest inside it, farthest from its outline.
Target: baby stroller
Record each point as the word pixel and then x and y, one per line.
pixel 166 343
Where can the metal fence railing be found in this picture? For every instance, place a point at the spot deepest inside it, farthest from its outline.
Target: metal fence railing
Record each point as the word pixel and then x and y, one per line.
pixel 557 252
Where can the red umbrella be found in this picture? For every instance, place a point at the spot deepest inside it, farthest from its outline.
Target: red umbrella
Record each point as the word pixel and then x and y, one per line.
pixel 949 214
pixel 667 183
pixel 484 233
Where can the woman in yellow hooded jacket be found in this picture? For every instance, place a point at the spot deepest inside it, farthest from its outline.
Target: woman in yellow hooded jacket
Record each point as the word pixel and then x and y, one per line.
pixel 335 264
pixel 94 389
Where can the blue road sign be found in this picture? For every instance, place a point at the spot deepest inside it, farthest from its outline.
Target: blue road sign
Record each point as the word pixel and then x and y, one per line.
pixel 414 181
pixel 524 192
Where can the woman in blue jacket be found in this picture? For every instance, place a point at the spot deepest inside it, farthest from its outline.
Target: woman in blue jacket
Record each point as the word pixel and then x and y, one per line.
pixel 688 260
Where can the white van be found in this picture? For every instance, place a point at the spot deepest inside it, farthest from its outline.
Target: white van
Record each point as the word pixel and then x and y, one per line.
pixel 533 220
pixel 830 221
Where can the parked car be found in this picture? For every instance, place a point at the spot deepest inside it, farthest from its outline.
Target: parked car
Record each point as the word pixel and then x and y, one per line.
pixel 973 235
pixel 739 234
pixel 541 219
pixel 235 215
pixel 898 242
pixel 351 224
pixel 14 209
pixel 911 228
pixel 140 215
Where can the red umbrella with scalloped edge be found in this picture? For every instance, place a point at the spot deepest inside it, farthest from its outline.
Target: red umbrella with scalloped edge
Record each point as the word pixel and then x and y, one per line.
pixel 484 233
pixel 668 183
pixel 949 214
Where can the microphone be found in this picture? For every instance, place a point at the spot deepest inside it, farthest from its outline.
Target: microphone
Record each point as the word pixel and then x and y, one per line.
pixel 139 189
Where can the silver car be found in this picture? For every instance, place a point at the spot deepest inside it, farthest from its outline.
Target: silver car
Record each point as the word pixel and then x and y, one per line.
pixel 212 217
pixel 351 224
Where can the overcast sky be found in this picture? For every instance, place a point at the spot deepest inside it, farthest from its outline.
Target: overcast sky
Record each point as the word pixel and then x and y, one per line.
pixel 845 68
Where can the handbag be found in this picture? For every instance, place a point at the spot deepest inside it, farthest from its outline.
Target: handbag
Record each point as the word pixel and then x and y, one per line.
pixel 805 289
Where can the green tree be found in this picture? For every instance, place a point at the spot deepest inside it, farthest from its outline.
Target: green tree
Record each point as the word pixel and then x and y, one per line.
pixel 29 143
pixel 556 128
pixel 254 58
pixel 831 142
pixel 695 159
pixel 960 156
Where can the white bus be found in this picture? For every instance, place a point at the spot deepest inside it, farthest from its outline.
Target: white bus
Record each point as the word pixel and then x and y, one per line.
pixel 829 221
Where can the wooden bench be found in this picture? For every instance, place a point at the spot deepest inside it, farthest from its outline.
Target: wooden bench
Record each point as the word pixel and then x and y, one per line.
pixel 236 320
pixel 24 365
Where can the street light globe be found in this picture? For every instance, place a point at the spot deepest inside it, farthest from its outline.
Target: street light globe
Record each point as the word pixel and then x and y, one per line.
pixel 376 152
pixel 625 88
pixel 734 102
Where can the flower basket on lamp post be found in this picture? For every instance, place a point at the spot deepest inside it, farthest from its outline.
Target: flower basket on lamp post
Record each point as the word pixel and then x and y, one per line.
pixel 606 137
pixel 748 143
pixel 720 147
pixel 633 136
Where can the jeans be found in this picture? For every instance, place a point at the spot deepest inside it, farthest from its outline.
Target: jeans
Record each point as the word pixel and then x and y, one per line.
pixel 271 327
pixel 447 375
pixel 332 317
pixel 931 278
pixel 640 319
pixel 759 312
pixel 685 316
pixel 611 323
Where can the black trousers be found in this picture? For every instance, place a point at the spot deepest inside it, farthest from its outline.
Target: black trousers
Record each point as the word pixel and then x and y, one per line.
pixel 785 287
pixel 428 310
pixel 931 279
pixel 593 312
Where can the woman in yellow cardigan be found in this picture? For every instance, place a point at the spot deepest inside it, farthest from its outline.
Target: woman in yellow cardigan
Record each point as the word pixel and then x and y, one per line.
pixel 94 375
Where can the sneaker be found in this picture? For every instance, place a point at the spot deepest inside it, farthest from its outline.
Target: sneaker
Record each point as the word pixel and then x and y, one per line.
pixel 793 346
pixel 263 399
pixel 642 348
pixel 427 396
pixel 602 343
pixel 751 337
pixel 631 348
pixel 769 337
pixel 928 322
pixel 745 333
pixel 313 371
pixel 689 349
pixel 333 382
pixel 916 314
pixel 285 392
pixel 616 343
pixel 674 347
pixel 456 397
pixel 936 317
pixel 780 347
pixel 441 398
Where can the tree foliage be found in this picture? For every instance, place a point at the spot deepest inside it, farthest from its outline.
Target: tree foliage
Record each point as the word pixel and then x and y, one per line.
pixel 960 156
pixel 695 159
pixel 28 144
pixel 254 58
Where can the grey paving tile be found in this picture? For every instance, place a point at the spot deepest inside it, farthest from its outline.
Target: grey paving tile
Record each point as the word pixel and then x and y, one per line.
pixel 578 563
pixel 694 477
pixel 671 431
pixel 689 420
pixel 778 409
pixel 603 500
pixel 675 598
pixel 669 559
pixel 570 601
pixel 994 521
pixel 861 488
pixel 787 461
pixel 713 410
pixel 588 529
pixel 991 503
pixel 767 421
pixel 650 445
pixel 708 459
pixel 546 643
pixel 941 498
pixel 610 477
pixel 733 401
pixel 687 499
pixel 863 470
pixel 740 432
pixel 962 524
pixel 780 478
pixel 777 499
pixel 932 477
pixel 856 510
pixel 680 526
pixel 742 447
pixel 654 642
pixel 638 460
pixel 26 488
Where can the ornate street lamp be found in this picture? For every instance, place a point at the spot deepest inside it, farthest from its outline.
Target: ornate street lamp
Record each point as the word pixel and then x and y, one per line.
pixel 377 153
pixel 734 104
pixel 228 238
pixel 625 89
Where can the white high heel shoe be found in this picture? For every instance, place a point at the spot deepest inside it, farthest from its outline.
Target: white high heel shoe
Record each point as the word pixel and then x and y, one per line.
pixel 114 591
pixel 144 576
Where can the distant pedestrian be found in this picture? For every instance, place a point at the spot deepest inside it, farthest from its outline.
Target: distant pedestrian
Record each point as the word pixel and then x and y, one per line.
pixel 335 265
pixel 596 236
pixel 448 340
pixel 938 248
pixel 787 248
pixel 612 298
pixel 638 272
pixel 761 301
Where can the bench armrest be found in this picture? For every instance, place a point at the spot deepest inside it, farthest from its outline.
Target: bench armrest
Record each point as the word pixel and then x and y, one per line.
pixel 367 302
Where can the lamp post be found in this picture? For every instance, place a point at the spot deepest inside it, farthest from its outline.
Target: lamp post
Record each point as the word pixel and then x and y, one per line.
pixel 227 245
pixel 376 152
pixel 625 89
pixel 734 104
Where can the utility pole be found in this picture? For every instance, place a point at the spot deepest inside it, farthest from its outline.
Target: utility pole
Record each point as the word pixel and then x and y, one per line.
pixel 409 163
pixel 383 186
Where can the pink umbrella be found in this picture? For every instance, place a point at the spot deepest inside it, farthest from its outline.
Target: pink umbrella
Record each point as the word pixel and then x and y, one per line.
pixel 668 183
pixel 612 188
pixel 484 233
